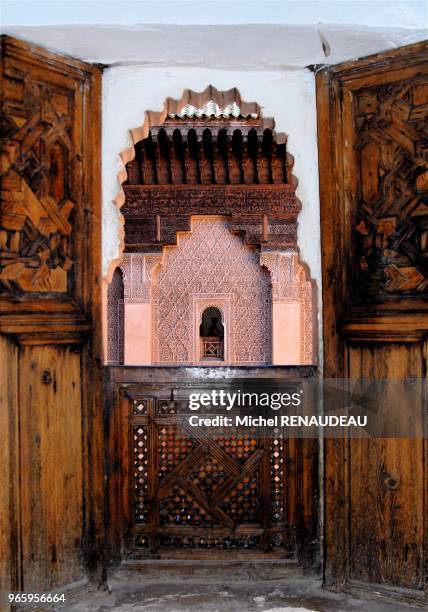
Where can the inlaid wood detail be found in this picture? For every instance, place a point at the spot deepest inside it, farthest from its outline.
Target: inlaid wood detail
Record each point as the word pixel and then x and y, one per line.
pixel 207 491
pixel 174 488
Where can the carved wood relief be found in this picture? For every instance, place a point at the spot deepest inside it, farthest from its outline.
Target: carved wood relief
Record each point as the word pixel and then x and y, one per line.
pixel 223 158
pixel 52 512
pixel 372 134
pixel 38 184
pixel 234 153
pixel 392 216
pixel 264 215
pixel 47 121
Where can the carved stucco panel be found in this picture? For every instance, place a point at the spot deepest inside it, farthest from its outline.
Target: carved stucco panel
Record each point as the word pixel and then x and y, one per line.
pixel 211 261
pixel 137 276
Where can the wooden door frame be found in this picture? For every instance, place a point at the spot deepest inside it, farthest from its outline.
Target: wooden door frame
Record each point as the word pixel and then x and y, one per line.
pixel 345 321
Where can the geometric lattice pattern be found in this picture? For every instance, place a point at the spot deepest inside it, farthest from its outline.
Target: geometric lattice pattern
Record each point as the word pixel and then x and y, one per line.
pixel 209 475
pixel 174 446
pixel 277 480
pixel 239 445
pixel 191 489
pixel 242 503
pixel 213 542
pixel 181 509
pixel 140 473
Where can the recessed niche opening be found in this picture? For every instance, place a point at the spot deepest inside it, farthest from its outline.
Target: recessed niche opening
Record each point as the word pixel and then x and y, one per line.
pixel 211 333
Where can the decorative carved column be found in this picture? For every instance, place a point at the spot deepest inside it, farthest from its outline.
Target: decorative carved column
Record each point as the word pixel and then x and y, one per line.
pixel 137 269
pixel 292 309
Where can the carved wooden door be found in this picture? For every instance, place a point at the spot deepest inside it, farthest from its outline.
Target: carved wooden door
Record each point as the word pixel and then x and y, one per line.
pixel 51 507
pixel 372 118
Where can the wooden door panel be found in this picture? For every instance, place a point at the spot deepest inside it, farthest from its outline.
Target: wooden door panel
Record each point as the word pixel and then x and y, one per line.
pixel 386 475
pixel 9 431
pixel 51 486
pixel 372 119
pixel 49 319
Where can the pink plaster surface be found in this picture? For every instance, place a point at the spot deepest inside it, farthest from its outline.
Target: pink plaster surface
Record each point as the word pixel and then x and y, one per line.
pixel 138 334
pixel 286 334
pixel 212 265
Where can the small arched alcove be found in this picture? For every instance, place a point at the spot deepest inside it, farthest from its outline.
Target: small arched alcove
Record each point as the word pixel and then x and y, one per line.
pixel 211 332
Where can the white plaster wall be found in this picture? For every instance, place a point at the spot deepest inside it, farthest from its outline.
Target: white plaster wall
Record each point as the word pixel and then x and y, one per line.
pixel 401 13
pixel 287 95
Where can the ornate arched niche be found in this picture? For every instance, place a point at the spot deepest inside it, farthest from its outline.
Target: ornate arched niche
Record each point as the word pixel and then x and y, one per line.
pixel 211 158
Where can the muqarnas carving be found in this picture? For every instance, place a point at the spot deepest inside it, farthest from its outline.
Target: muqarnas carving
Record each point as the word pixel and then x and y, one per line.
pixel 209 154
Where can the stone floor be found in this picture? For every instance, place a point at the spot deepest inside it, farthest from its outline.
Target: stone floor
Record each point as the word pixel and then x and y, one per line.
pixel 208 586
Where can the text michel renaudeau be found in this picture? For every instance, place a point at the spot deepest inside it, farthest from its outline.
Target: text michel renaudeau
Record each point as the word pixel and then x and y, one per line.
pixel 234 400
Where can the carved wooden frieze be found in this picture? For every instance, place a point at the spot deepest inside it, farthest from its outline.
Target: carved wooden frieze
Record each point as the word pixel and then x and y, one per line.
pixel 209 156
pixel 392 211
pixel 263 214
pixel 201 199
